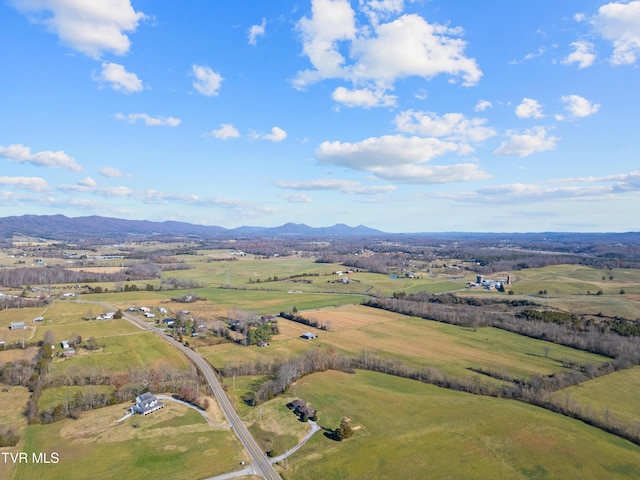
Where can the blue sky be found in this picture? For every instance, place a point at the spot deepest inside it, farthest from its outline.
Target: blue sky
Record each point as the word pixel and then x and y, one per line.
pixel 406 116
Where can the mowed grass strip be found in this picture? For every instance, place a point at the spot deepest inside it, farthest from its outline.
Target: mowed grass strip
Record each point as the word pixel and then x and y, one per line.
pixel 614 396
pixel 405 429
pixel 173 443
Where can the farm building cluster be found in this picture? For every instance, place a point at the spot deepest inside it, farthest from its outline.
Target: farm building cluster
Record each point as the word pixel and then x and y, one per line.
pixel 489 284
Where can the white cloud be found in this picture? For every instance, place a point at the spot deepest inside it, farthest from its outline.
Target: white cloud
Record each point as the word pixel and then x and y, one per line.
pixel 363 97
pixel 380 9
pixel 529 108
pixel 524 144
pixel 88 27
pixel 379 53
pixel 225 131
pixel 30 183
pixel 426 174
pixel 482 105
pixel 207 81
pixel 579 107
pixel 350 187
pixel 149 120
pixel 297 198
pixel 21 154
pixel 582 55
pixel 277 135
pixel 410 46
pixel 87 182
pixel 111 172
pixel 399 158
pixel 331 21
pixel 320 184
pixel 385 151
pixel 257 31
pixel 619 22
pixel 119 78
pixel 453 126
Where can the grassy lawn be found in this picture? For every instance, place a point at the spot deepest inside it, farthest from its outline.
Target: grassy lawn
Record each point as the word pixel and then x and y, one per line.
pixel 173 443
pixel 406 429
pixel 597 395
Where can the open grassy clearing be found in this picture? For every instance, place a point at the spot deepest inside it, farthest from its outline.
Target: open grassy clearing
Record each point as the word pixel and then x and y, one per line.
pixel 411 430
pixel 614 396
pixel 141 349
pixel 174 442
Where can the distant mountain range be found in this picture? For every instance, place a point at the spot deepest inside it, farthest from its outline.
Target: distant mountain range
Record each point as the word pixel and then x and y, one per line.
pixel 60 227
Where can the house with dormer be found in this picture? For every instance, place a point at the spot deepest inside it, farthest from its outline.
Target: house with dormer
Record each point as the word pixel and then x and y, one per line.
pixel 146 403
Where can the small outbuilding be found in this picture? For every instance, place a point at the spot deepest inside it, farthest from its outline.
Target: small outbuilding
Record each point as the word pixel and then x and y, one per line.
pixel 309 336
pixel 17 326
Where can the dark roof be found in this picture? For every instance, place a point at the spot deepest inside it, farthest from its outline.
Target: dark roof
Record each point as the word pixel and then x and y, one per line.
pixel 299 403
pixel 307 410
pixel 146 396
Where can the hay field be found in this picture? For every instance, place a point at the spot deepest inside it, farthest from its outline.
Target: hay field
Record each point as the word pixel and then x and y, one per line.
pixel 13 400
pixel 416 342
pixel 598 396
pixel 351 316
pixel 411 430
pixel 174 442
pixel 16 354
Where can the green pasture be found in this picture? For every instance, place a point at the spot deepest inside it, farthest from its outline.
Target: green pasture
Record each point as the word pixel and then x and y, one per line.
pixel 173 443
pixel 626 306
pixel 575 280
pixel 454 349
pixel 238 273
pixel 405 429
pixel 269 302
pixel 120 353
pixel 86 329
pixel 25 315
pixel 614 397
pixel 51 397
pixel 219 355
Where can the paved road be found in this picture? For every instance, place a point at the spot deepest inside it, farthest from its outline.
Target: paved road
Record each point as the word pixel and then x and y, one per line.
pixel 260 463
